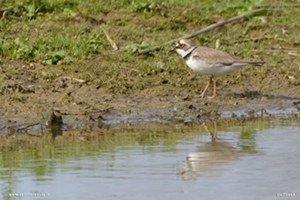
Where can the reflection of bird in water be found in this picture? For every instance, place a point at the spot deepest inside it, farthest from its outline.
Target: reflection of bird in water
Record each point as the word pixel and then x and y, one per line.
pixel 207 157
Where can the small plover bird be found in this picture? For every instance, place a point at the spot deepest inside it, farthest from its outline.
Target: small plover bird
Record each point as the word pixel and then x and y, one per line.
pixel 208 61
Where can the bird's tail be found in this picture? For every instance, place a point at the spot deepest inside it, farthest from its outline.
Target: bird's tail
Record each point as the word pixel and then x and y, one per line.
pixel 255 63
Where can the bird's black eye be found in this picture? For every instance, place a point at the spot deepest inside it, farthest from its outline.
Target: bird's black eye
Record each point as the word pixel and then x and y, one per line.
pixel 181 45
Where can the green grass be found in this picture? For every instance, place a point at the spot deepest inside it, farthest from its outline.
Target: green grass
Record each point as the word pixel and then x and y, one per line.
pixel 68 36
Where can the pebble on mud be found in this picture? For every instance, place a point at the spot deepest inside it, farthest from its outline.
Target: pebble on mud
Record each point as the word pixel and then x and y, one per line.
pixel 187 98
pixel 191 107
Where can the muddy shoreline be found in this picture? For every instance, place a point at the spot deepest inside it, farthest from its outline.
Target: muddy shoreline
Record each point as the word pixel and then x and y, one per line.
pixel 81 104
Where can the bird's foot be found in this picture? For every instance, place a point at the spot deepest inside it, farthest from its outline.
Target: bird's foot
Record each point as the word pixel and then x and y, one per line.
pixel 212 97
pixel 201 96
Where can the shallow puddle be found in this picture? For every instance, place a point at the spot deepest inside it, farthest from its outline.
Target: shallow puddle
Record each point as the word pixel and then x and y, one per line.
pixel 224 159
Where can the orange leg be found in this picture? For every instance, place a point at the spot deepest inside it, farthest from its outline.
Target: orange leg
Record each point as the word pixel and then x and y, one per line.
pixel 205 89
pixel 215 89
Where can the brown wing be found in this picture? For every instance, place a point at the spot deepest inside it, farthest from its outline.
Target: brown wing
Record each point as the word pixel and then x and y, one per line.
pixel 214 56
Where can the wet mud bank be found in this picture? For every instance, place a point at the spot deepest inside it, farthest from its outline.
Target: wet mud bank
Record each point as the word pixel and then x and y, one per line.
pixel 83 105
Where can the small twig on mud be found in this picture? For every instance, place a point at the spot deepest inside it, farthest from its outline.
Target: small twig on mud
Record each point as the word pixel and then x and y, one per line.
pixel 217 43
pixel 278 5
pixel 282 39
pixel 112 43
pixel 254 13
pixel 109 80
pixel 79 80
pixel 4 14
pixel 26 127
pixel 293 54
pixel 75 79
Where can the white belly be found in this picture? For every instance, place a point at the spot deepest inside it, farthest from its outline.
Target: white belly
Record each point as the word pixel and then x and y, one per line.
pixel 203 68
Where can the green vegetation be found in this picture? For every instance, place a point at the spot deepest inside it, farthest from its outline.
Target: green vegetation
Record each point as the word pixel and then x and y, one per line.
pixel 68 36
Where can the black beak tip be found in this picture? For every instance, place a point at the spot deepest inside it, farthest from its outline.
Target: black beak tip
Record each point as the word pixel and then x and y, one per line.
pixel 172 50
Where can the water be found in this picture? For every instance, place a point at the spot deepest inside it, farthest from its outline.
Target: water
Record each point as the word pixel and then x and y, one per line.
pixel 254 159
